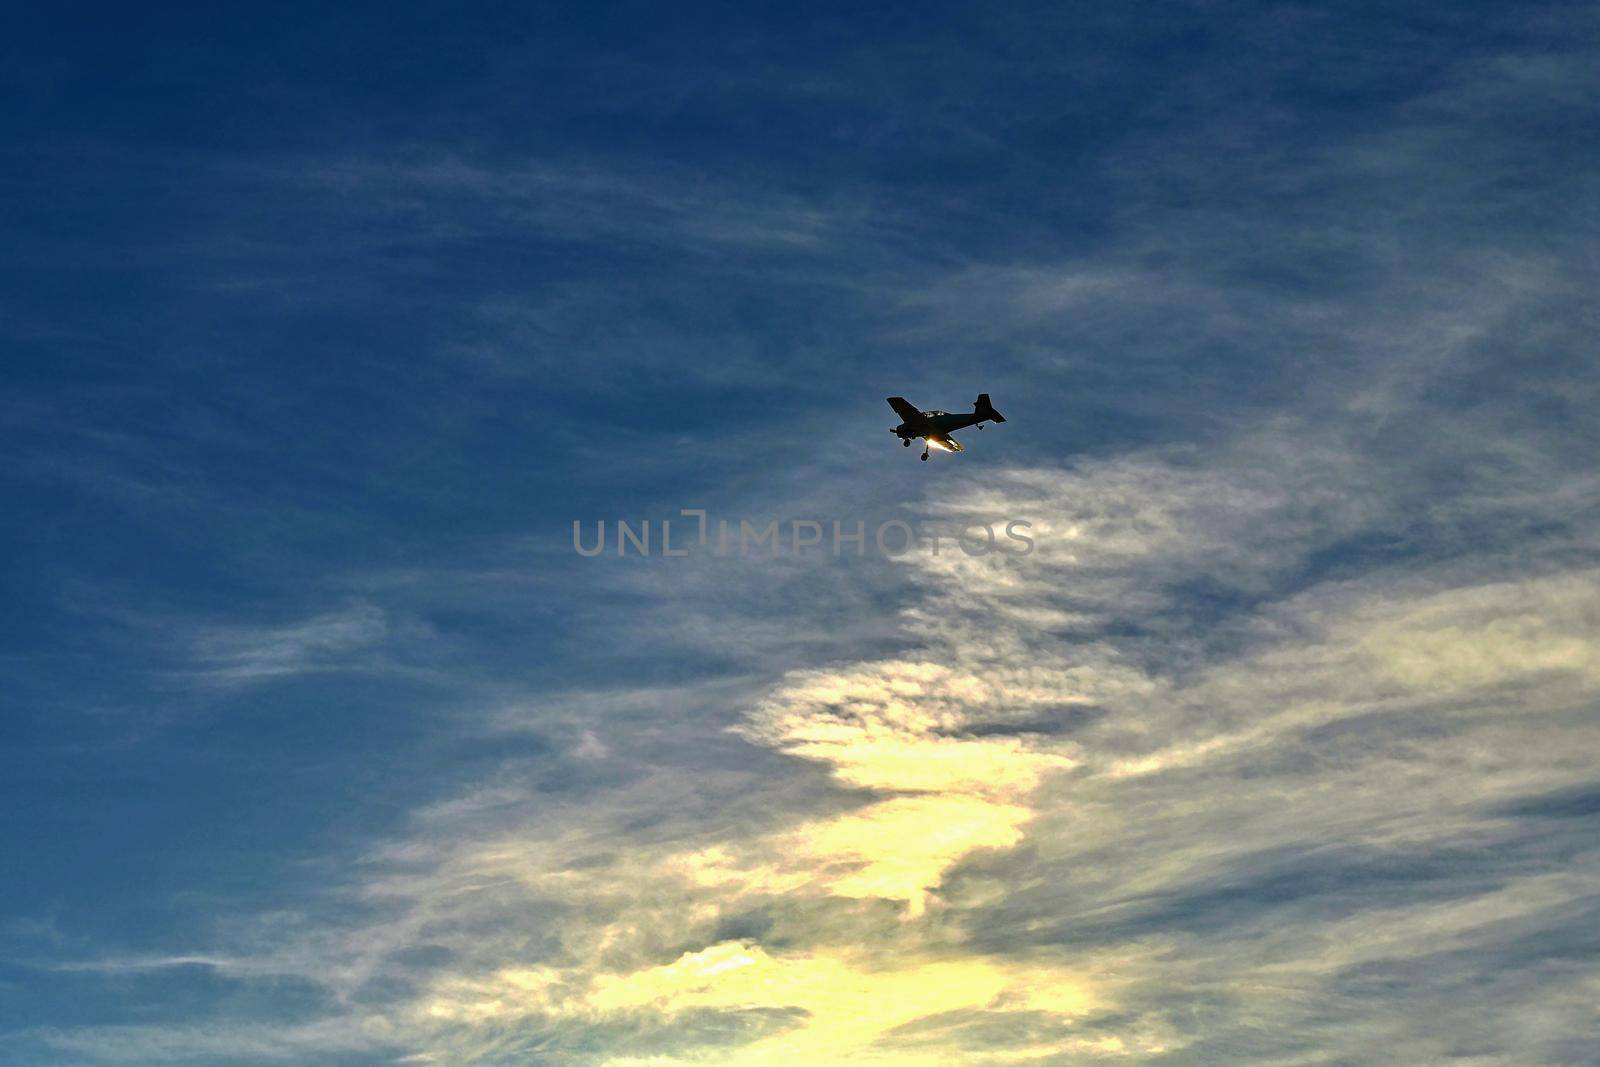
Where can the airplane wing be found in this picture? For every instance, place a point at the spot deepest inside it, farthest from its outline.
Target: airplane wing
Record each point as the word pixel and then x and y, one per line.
pixel 946 442
pixel 905 409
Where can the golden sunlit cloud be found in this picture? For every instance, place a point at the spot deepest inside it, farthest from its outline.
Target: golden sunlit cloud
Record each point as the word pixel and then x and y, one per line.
pixel 850 1000
pixel 932 765
pixel 893 729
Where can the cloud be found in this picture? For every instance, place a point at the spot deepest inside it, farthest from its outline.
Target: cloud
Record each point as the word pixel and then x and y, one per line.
pixel 1293 786
pixel 1277 749
pixel 235 655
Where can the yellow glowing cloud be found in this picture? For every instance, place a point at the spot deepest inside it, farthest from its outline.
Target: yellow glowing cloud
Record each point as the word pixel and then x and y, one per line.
pixel 900 848
pixel 897 849
pixel 992 766
pixel 892 727
pixel 849 1003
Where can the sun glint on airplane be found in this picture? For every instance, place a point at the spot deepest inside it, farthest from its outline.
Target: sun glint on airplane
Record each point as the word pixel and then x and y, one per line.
pixel 935 427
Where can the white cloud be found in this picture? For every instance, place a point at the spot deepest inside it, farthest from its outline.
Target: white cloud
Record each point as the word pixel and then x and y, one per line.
pixel 236 655
pixel 1227 769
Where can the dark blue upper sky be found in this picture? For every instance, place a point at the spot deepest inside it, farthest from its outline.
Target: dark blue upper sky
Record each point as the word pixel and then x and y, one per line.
pixel 321 324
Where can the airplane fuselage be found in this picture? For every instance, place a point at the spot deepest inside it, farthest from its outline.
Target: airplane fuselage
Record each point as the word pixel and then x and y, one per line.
pixel 937 422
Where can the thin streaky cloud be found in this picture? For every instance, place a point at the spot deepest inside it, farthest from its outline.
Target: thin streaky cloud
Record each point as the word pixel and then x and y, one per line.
pixel 1277 749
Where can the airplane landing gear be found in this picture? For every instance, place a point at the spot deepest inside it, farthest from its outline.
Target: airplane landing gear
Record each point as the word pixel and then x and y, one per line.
pixel 924 457
pixel 906 441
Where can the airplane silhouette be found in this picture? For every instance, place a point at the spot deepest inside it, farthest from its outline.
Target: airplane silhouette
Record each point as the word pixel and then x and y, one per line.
pixel 934 427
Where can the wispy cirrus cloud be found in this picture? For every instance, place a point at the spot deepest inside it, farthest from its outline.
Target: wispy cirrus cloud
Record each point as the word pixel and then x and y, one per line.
pixel 1277 749
pixel 232 655
pixel 1086 815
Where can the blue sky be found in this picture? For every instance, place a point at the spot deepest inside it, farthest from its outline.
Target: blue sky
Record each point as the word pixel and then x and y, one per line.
pixel 321 326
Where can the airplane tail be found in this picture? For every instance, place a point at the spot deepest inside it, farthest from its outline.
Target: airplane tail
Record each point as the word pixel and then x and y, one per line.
pixel 985 410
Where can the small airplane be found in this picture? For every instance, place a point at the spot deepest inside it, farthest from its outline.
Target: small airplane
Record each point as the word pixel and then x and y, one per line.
pixel 934 427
